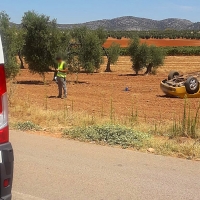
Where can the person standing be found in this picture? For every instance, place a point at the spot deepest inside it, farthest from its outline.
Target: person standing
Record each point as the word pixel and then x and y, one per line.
pixel 61 77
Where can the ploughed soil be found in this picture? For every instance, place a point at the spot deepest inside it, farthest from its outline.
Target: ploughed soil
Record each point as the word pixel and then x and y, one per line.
pixel 102 93
pixel 124 42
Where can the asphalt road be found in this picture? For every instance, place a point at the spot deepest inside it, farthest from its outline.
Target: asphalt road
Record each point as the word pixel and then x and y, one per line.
pixel 48 168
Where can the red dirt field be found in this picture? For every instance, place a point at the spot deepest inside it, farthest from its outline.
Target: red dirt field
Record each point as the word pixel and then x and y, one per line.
pixel 124 42
pixel 94 92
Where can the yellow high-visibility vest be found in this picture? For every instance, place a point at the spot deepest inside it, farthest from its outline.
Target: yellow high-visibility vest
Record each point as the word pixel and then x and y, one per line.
pixel 60 67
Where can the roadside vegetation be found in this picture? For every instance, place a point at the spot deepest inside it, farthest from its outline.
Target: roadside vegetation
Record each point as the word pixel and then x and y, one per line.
pixel 179 137
pixel 26 126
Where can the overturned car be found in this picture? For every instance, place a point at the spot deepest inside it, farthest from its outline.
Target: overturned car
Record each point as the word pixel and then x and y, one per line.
pixel 181 85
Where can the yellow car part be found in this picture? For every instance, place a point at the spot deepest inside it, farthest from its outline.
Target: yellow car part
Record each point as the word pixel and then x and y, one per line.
pixel 177 91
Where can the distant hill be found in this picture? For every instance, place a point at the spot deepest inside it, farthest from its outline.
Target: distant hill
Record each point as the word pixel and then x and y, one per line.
pixel 129 23
pixel 194 26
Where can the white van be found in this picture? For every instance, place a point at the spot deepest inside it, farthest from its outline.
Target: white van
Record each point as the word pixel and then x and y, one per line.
pixel 6 151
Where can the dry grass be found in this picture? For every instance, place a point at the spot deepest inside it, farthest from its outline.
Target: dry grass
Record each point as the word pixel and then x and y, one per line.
pixel 185 148
pixel 183 64
pixel 50 120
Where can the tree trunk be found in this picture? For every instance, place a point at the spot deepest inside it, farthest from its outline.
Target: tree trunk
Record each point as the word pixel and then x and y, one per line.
pixel 108 63
pixel 108 66
pixel 149 69
pixel 21 60
pixel 44 78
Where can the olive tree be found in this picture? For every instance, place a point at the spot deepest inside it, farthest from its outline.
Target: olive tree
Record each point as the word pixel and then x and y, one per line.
pixel 144 56
pixel 90 55
pixel 102 35
pixel 9 38
pixel 42 42
pixel 73 59
pixel 139 55
pixel 89 51
pixel 156 58
pixel 112 54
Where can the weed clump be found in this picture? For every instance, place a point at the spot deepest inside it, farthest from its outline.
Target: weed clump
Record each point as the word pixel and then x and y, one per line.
pixel 27 126
pixel 109 134
pixel 188 126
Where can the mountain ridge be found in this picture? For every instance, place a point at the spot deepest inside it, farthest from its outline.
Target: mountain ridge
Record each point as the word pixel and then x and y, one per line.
pixel 130 23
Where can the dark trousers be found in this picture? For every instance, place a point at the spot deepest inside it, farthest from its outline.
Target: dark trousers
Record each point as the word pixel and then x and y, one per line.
pixel 62 86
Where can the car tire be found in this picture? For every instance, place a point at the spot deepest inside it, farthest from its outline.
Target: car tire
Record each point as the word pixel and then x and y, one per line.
pixel 172 75
pixel 192 85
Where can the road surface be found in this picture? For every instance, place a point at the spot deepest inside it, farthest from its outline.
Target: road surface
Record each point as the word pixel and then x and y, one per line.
pixel 48 168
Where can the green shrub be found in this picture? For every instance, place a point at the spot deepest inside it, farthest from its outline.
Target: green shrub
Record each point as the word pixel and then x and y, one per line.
pixel 27 126
pixel 109 134
pixel 182 51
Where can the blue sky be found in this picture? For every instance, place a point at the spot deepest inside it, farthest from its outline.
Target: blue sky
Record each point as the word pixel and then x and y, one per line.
pixel 78 11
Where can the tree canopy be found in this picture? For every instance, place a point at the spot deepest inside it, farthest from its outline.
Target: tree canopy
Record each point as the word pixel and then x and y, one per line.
pixel 43 41
pixel 144 56
pixel 9 38
pixel 89 51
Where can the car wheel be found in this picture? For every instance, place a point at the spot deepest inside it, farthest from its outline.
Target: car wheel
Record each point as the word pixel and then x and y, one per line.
pixel 192 85
pixel 172 75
